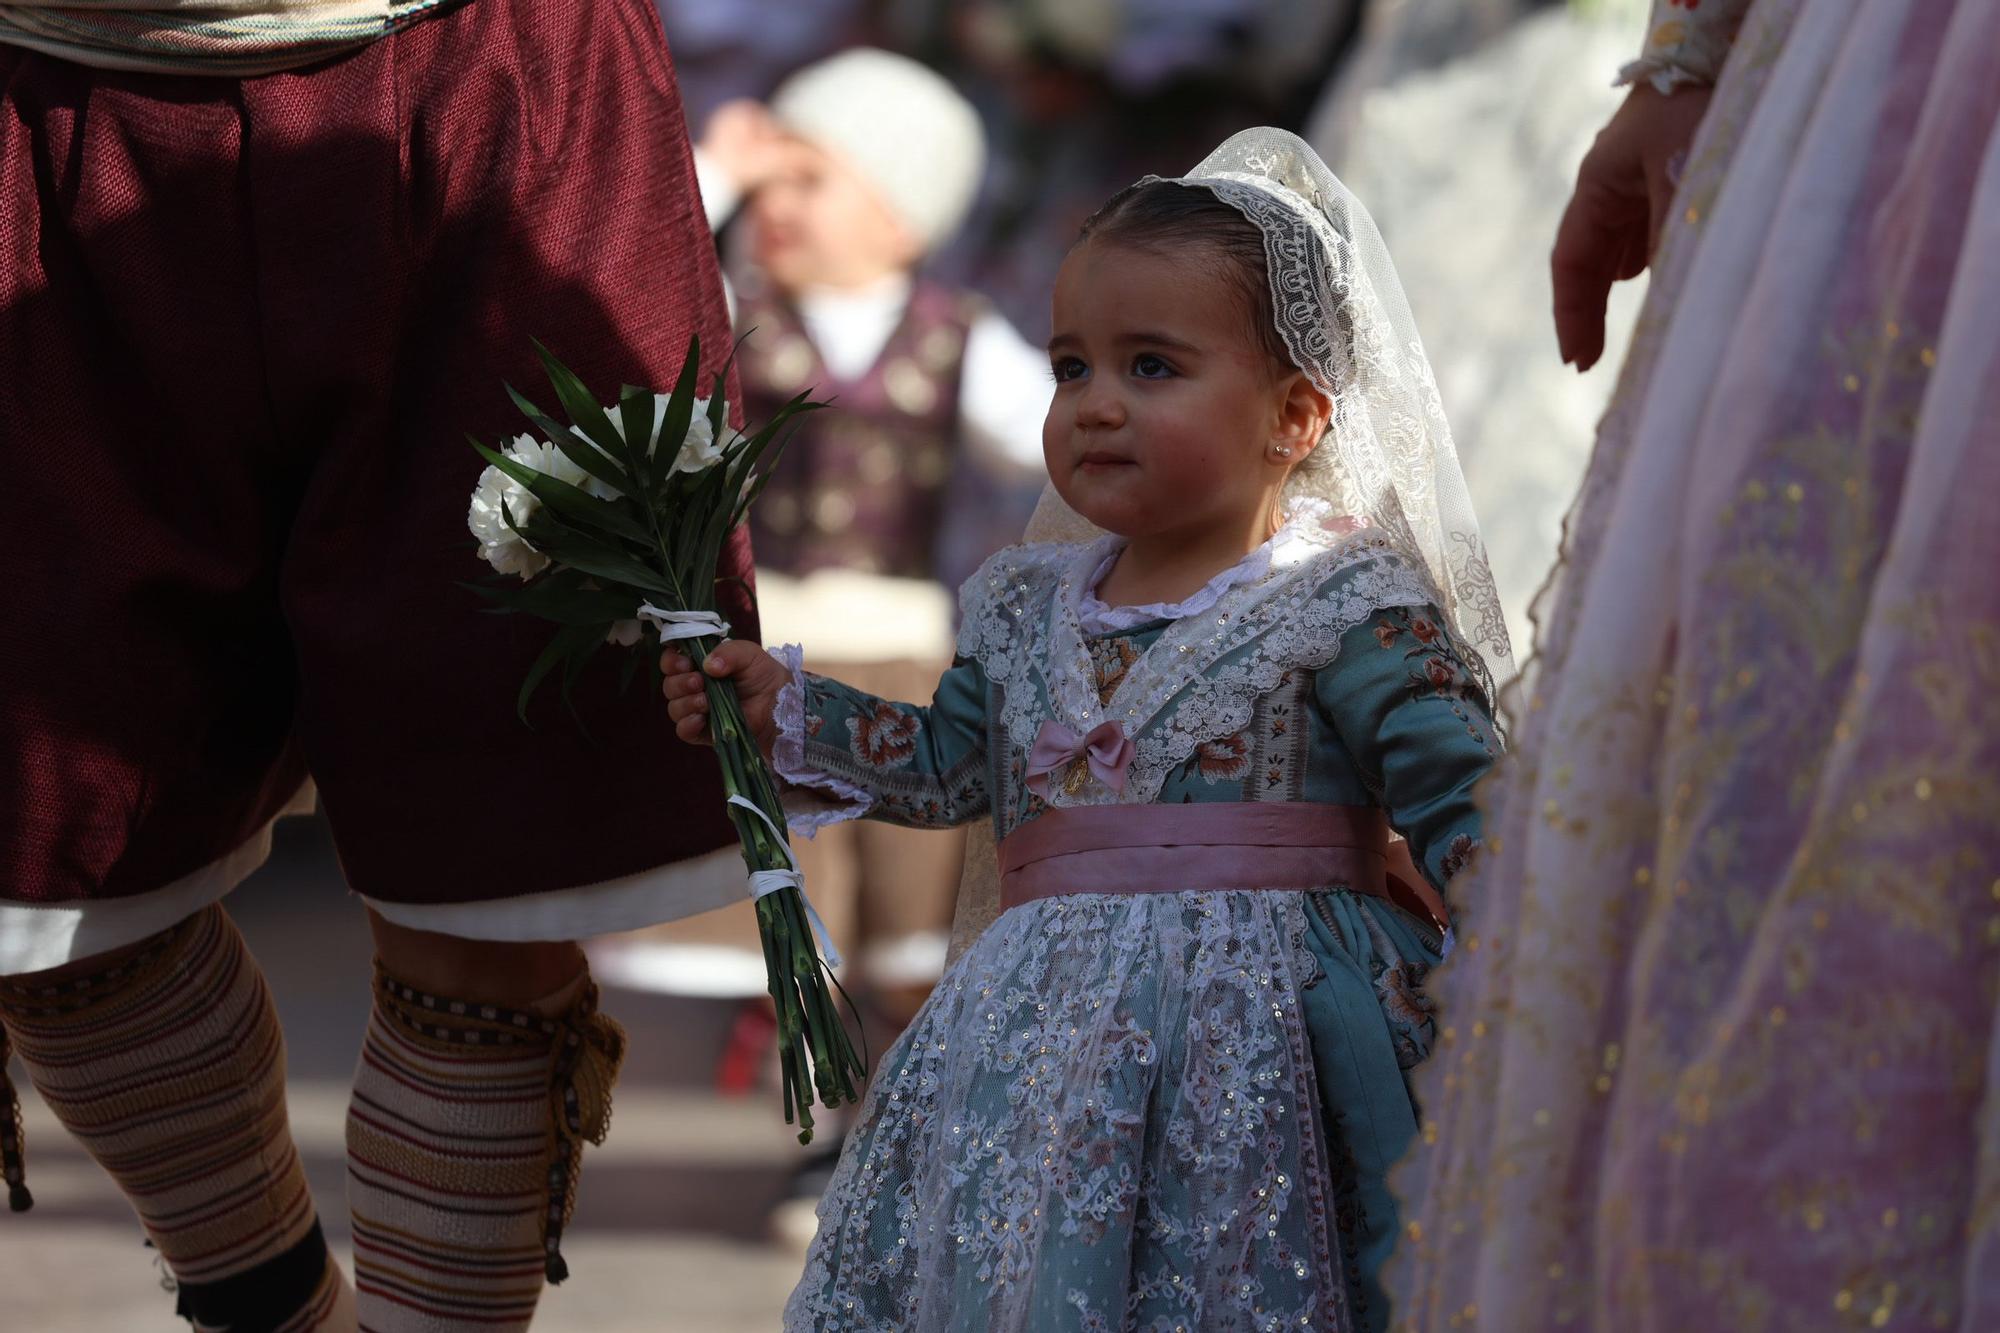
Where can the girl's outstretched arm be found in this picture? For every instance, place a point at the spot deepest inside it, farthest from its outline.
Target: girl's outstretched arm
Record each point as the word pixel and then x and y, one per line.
pixel 847 753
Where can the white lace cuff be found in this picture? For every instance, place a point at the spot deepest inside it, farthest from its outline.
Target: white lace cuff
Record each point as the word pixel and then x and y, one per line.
pixel 1664 75
pixel 813 799
pixel 1687 42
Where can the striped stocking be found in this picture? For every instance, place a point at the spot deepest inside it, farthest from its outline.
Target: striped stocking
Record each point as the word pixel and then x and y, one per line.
pixel 463 1142
pixel 169 1069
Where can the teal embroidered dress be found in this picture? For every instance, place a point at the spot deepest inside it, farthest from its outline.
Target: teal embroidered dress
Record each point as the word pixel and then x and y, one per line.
pixel 1153 1110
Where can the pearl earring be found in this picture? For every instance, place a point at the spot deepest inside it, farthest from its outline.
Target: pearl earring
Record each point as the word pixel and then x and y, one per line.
pixel 1282 450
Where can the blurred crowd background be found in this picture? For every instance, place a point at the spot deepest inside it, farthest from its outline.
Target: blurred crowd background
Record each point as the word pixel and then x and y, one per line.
pixel 1458 122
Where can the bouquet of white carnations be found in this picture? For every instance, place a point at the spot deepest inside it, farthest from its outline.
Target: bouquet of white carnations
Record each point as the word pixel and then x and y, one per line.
pixel 615 525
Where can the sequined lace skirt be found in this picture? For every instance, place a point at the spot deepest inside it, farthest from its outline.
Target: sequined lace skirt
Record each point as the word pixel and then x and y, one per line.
pixel 1111 1116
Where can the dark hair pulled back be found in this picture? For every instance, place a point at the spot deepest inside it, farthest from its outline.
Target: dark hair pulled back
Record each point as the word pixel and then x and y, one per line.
pixel 1168 217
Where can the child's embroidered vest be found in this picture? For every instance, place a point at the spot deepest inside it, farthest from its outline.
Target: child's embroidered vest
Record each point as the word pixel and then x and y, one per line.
pixel 861 487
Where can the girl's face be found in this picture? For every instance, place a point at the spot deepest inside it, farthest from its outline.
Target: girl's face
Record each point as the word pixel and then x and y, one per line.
pixel 1168 413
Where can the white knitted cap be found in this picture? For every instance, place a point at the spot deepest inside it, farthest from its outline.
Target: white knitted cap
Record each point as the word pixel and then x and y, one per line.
pixel 901 124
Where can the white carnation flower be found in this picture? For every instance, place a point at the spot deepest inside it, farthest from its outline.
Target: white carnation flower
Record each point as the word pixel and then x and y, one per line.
pixel 545 459
pixel 699 448
pixel 502 547
pixel 498 494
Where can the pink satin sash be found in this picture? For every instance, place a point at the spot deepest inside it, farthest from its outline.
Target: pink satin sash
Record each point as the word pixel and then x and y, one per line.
pixel 1213 845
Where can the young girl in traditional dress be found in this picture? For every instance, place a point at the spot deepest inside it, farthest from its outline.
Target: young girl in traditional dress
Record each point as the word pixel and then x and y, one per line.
pixel 1162 1090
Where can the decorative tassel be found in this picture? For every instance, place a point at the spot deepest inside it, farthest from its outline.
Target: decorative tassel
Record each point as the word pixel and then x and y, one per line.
pixel 589 1051
pixel 13 1164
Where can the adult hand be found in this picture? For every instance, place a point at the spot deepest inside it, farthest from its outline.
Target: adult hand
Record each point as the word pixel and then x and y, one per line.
pixel 1614 219
pixel 746 143
pixel 758 676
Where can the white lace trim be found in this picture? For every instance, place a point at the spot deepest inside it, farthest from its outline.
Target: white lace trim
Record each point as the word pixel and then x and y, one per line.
pixel 1098 618
pixel 1664 75
pixel 815 799
pixel 1388 431
pixel 1005 1153
pixel 1201 678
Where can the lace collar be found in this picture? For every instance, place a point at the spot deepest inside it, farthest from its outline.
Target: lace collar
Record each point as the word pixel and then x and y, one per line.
pixel 1096 618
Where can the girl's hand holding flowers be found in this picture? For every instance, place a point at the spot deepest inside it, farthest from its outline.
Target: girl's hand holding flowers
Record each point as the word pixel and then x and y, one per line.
pixel 758 676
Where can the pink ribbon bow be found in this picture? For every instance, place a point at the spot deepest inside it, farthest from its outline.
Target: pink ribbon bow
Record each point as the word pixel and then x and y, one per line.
pixel 1107 750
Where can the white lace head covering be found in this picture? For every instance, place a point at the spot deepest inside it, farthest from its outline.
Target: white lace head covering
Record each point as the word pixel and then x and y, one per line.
pixel 1388 460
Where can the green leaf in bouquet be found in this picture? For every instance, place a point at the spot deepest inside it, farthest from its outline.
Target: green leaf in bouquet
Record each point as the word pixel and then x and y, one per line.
pixel 679 413
pixel 696 496
pixel 605 467
pixel 590 418
pixel 749 496
pixel 595 555
pixel 568 644
pixel 718 406
pixel 785 423
pixel 570 597
pixel 744 461
pixel 601 562
pixel 693 548
pixel 774 432
pixel 635 413
pixel 755 446
pixel 718 403
pixel 579 508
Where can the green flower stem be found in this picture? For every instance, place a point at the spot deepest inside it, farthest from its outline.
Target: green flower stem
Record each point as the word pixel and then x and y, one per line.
pixel 815 1051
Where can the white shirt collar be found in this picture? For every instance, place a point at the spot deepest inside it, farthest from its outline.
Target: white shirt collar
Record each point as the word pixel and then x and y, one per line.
pixel 849 326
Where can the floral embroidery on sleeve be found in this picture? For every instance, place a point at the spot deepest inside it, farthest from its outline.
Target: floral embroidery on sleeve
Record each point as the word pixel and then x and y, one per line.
pixel 885 739
pixel 1435 665
pixel 1686 42
pixel 846 754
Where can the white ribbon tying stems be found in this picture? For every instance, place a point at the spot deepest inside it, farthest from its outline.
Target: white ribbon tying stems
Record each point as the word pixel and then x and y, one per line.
pixel 684 624
pixel 693 625
pixel 764 882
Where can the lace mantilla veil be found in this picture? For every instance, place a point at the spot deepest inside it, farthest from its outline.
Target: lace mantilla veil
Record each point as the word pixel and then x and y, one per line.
pixel 1388 460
